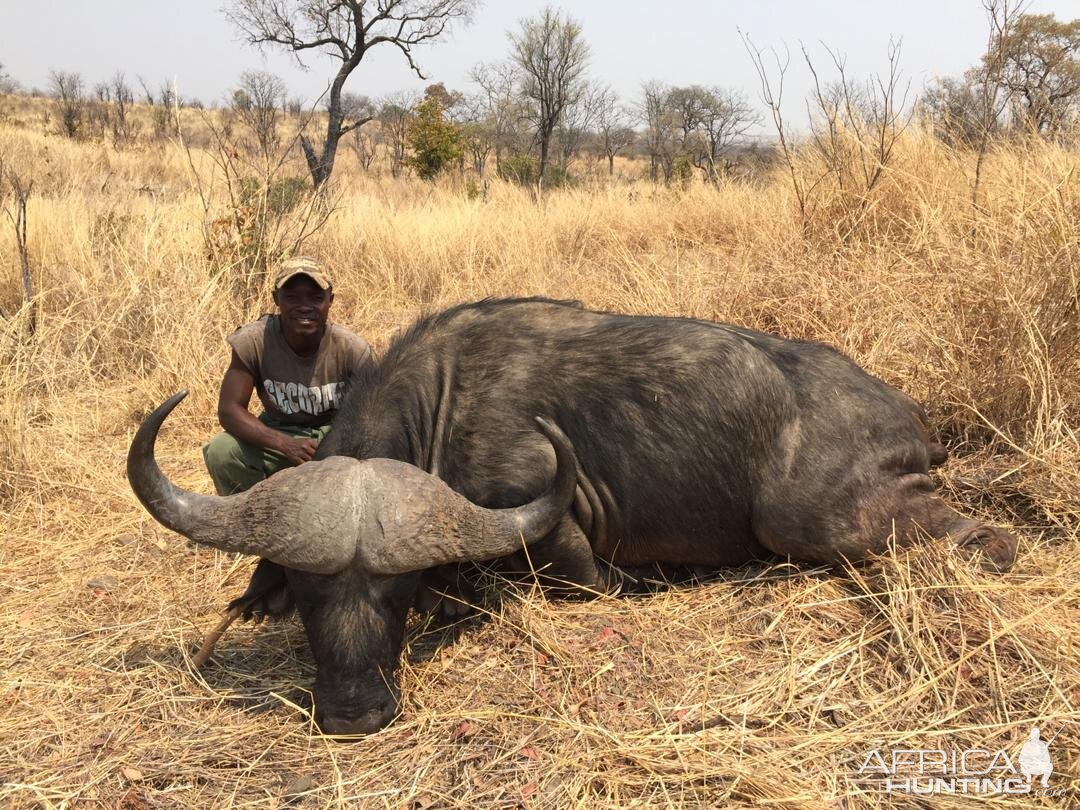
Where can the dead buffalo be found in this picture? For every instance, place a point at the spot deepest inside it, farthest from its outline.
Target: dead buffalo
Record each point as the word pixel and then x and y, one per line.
pixel 697 444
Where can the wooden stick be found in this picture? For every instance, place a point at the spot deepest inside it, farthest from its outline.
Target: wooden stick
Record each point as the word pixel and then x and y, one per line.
pixel 214 636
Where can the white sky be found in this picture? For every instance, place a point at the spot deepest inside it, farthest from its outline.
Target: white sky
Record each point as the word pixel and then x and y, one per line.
pixel 687 42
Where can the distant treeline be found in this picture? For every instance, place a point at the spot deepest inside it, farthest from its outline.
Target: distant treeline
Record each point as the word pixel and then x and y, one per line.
pixel 533 116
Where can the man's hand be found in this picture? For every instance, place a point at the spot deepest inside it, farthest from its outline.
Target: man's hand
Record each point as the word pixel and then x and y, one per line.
pixel 297 449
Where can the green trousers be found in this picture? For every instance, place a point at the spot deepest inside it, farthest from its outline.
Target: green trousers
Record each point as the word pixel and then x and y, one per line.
pixel 236 466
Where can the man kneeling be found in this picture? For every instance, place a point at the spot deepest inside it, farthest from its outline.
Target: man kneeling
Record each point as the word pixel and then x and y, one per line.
pixel 300 364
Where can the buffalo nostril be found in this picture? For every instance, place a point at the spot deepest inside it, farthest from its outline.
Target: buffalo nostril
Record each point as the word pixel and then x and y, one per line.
pixel 367 722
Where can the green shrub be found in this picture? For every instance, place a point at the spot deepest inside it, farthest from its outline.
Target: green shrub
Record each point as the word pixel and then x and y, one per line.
pixel 436 143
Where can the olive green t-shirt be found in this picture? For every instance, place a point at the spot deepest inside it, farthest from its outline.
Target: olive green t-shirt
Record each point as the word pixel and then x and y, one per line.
pixel 295 390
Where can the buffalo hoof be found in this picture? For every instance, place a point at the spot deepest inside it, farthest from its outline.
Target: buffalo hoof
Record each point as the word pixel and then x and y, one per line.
pixel 995 547
pixel 268 594
pixel 274 605
pixel 367 722
pixel 443 608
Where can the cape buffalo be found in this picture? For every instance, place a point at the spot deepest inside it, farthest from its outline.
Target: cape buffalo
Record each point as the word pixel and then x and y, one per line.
pixel 697 444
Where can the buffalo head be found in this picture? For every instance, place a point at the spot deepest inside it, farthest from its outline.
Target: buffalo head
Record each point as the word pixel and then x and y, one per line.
pixel 353 536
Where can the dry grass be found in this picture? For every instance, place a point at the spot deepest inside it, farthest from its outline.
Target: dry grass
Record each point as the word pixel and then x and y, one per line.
pixel 767 686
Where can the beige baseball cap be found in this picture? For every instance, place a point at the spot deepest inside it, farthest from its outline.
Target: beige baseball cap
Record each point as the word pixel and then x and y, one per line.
pixel 303 265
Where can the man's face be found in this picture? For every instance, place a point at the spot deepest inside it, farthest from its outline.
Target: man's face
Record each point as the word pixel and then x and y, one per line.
pixel 304 307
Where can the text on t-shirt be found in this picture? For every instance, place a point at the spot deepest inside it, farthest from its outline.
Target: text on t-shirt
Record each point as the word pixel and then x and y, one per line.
pixel 295 397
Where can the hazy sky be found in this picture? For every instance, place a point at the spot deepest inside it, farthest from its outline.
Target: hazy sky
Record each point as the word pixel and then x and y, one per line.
pixel 683 42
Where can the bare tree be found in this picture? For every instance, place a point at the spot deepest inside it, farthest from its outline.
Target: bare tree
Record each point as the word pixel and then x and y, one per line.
pixel 476 131
pixel 69 100
pixel 853 130
pixel 148 94
pixel 613 129
pixel 660 128
pixel 856 129
pixel 123 127
pixel 255 209
pixel 497 105
pixel 98 109
pixel 256 102
pixel 491 119
pixel 993 96
pixel 551 54
pixel 951 107
pixel 163 105
pixel 971 111
pixel 358 108
pixel 772 94
pixel 346 30
pixel 7 84
pixel 687 105
pixel 1040 66
pixel 574 125
pixel 364 147
pixel 21 190
pixel 725 118
pixel 361 110
pixel 394 115
pixel 707 121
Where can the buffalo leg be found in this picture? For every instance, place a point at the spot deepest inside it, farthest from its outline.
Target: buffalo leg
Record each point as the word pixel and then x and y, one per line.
pixel 927 514
pixel 267 594
pixel 563 562
pixel 446 592
pixel 852 528
pixel 997 546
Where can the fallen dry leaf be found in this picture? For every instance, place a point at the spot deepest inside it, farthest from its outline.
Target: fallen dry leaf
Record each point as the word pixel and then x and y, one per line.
pixel 607 634
pixel 464 729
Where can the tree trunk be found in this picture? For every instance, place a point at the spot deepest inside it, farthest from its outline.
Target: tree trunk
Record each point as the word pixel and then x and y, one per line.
pixel 545 138
pixel 713 177
pixel 322 166
pixel 315 164
pixel 611 164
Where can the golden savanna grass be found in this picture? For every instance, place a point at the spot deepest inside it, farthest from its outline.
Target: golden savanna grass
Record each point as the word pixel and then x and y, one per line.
pixel 767 686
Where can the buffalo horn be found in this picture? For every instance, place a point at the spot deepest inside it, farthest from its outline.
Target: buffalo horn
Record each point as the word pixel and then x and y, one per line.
pixel 390 516
pixel 424 523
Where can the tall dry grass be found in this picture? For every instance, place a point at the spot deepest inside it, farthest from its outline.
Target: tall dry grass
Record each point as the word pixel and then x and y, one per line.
pixel 767 686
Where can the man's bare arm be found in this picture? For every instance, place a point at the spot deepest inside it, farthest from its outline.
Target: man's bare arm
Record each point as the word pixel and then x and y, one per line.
pixel 235 418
